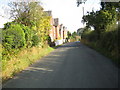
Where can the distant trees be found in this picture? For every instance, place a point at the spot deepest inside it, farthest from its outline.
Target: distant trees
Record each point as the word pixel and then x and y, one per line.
pixel 73 36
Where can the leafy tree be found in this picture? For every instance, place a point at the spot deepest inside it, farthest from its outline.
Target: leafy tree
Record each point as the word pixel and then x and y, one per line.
pixel 31 14
pixel 74 34
pixel 43 27
pixel 27 13
pixel 110 5
pixel 100 20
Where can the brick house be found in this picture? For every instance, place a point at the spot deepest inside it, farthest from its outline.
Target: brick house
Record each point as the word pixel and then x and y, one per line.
pixel 56 26
pixel 57 32
pixel 64 33
pixel 52 31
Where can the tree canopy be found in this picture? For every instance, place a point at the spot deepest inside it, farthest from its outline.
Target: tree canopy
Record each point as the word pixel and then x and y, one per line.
pixel 102 20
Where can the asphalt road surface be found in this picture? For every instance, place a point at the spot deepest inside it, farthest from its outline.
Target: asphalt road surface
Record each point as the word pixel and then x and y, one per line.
pixel 73 65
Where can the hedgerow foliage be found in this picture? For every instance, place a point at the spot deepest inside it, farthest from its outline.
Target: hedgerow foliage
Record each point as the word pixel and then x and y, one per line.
pixel 29 28
pixel 28 32
pixel 14 37
pixel 104 37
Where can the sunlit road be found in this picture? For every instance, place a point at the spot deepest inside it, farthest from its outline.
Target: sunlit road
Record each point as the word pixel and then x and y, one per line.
pixel 72 65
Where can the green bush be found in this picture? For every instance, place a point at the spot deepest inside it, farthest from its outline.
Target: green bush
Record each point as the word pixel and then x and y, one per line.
pixel 107 44
pixel 109 40
pixel 89 35
pixel 35 40
pixel 49 40
pixel 28 35
pixel 13 37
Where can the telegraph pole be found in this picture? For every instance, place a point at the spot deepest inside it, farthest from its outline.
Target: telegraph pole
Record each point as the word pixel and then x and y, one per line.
pixel 83 11
pixel 83 15
pixel 80 2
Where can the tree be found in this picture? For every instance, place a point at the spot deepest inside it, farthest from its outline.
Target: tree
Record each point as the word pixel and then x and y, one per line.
pixel 110 5
pixel 100 20
pixel 43 27
pixel 74 34
pixel 27 13
pixel 31 14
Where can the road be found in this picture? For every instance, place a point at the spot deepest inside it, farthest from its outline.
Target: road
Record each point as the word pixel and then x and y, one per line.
pixel 73 65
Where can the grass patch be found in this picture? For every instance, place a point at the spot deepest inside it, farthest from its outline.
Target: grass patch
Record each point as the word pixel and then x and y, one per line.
pixel 22 60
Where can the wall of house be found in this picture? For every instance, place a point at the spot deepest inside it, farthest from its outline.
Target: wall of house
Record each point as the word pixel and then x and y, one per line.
pixel 58 32
pixel 52 31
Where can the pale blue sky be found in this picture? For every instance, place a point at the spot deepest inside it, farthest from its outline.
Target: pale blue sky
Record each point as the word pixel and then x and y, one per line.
pixel 66 10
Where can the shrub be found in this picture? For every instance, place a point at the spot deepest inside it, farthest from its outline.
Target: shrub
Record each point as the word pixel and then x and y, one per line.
pixel 13 37
pixel 49 40
pixel 107 44
pixel 28 35
pixel 35 40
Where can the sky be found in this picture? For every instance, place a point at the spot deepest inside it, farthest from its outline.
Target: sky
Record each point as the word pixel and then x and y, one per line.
pixel 4 12
pixel 66 10
pixel 68 13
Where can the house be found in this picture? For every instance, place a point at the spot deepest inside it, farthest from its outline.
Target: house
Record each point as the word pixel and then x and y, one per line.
pixel 64 33
pixel 52 31
pixel 58 32
pixel 61 31
pixel 57 27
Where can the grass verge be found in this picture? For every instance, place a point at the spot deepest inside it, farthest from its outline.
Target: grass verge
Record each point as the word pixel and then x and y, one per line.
pixel 22 60
pixel 112 55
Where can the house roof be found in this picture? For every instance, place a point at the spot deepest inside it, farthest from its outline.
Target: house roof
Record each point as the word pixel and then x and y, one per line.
pixel 49 13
